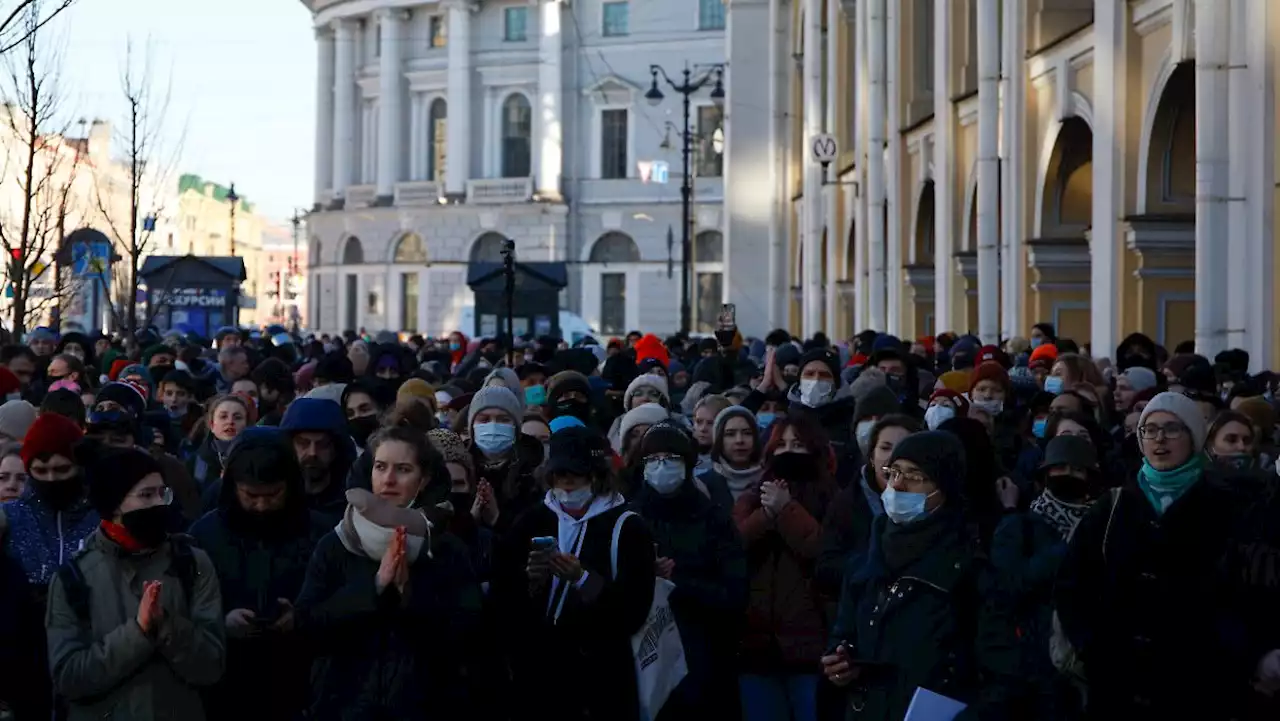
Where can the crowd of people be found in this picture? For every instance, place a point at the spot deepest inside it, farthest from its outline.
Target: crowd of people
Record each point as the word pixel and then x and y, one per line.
pixel 357 526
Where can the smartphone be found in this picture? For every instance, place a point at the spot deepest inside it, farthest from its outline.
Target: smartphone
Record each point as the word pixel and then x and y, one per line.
pixel 544 544
pixel 728 318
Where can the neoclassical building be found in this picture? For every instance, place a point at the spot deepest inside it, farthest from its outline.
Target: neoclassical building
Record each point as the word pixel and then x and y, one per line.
pixel 445 126
pixel 1105 165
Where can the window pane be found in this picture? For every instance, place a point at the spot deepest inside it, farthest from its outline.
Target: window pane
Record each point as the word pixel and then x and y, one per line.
pixel 517 20
pixel 517 127
pixel 617 18
pixel 710 287
pixel 409 302
pixel 436 152
pixel 710 119
pixel 924 72
pixel 711 14
pixel 353 301
pixel 439 33
pixel 613 144
pixel 613 302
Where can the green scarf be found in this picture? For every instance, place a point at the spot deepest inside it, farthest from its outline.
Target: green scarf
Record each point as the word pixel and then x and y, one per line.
pixel 1162 488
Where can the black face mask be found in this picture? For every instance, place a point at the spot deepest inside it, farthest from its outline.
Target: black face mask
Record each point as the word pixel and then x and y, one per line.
pixel 795 468
pixel 1236 462
pixel 578 409
pixel 361 428
pixel 1067 488
pixel 59 495
pixel 148 526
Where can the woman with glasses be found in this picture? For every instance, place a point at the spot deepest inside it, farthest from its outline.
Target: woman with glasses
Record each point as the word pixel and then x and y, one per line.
pixel 787 616
pixel 918 611
pixel 1141 595
pixel 699 551
pixel 135 622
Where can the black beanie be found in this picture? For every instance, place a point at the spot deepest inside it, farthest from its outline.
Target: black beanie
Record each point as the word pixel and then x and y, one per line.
pixel 335 368
pixel 667 437
pixel 940 456
pixel 112 473
pixel 824 355
pixel 274 374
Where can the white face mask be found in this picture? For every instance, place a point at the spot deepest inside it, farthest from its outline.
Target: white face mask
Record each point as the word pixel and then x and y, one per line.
pixel 573 500
pixel 937 415
pixel 814 392
pixel 665 476
pixel 992 408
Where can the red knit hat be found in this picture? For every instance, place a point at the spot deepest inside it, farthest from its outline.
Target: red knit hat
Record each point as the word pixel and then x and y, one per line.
pixel 1046 352
pixel 992 353
pixel 9 383
pixel 117 366
pixel 991 371
pixel 959 401
pixel 51 434
pixel 649 347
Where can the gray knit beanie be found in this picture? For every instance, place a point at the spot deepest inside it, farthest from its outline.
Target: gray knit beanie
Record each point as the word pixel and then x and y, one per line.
pixel 1186 411
pixel 16 416
pixel 511 381
pixel 496 396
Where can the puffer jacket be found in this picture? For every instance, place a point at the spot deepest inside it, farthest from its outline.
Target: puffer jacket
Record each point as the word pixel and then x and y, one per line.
pixel 107 668
pixel 41 539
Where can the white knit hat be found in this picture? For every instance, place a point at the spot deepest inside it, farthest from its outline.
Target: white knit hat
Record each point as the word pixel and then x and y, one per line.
pixel 646 415
pixel 649 379
pixel 1186 411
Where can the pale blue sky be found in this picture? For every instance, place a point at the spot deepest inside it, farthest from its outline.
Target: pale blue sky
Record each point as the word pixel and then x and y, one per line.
pixel 243 85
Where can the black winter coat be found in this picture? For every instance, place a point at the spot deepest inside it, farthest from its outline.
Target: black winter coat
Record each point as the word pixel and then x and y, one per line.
pixel 709 600
pixel 1146 613
pixel 846 533
pixel 24 666
pixel 591 642
pixel 938 624
pixel 388 656
pixel 515 487
pixel 258 563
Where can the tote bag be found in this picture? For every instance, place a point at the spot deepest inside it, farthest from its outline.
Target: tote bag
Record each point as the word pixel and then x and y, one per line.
pixel 656 648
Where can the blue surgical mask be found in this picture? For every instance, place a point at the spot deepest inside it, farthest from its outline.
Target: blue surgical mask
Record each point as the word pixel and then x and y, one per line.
pixel 494 438
pixel 535 395
pixel 455 346
pixel 904 507
pixel 1053 384
pixel 1036 343
pixel 764 420
pixel 664 476
pixel 573 500
pixel 1038 426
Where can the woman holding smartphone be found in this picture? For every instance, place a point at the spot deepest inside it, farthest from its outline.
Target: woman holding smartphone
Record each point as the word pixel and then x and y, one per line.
pixel 920 610
pixel 569 612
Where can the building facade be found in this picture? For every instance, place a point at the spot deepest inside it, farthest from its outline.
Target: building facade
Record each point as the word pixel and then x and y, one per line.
pixel 445 127
pixel 1106 165
pixel 282 292
pixel 207 228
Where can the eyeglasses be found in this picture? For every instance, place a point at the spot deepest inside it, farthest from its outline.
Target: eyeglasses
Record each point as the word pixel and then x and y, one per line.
pixel 656 457
pixel 164 494
pixel 1171 430
pixel 649 394
pixel 908 478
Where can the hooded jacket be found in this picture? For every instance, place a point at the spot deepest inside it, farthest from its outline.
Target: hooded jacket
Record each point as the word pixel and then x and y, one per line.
pixel 259 561
pixel 40 539
pixel 315 415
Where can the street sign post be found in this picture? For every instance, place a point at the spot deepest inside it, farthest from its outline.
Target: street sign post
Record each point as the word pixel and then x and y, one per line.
pixel 824 148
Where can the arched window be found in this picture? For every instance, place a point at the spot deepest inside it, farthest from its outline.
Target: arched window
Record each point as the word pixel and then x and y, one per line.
pixel 411 249
pixel 708 249
pixel 352 252
pixel 488 248
pixel 437 122
pixel 614 247
pixel 517 131
pixel 926 227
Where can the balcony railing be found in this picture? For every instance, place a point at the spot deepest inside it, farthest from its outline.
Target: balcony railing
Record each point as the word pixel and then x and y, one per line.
pixel 419 193
pixel 360 196
pixel 492 191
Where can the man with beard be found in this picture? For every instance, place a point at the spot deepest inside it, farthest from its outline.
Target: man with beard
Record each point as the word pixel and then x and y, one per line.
pixel 260 540
pixel 317 429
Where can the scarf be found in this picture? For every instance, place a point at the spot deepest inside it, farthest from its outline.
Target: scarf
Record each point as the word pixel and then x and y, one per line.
pixel 1061 515
pixel 903 545
pixel 739 481
pixel 1162 488
pixel 363 537
pixel 122 538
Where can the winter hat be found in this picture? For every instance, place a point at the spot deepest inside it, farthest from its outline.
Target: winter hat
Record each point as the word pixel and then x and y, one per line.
pixel 147 387
pixel 1046 352
pixel 879 403
pixel 958 400
pixel 9 383
pixel 117 367
pixel 1140 378
pixel 564 382
pixel 157 349
pixel 416 389
pixel 964 353
pixel 335 368
pixel 452 448
pixel 884 341
pixel 667 437
pixel 511 381
pixel 868 380
pixel 41 333
pixel 332 392
pixel 50 435
pixel 653 381
pixel 1186 411
pixel 577 450
pixel 1019 345
pixel 499 397
pixel 957 381
pixel 989 353
pixel 785 355
pixel 1257 409
pixel 1073 451
pixel 559 424
pixel 722 419
pixel 992 371
pixel 822 355
pixel 112 472
pixel 648 414
pixel 127 395
pixel 16 418
pixel 940 455
pixel 650 348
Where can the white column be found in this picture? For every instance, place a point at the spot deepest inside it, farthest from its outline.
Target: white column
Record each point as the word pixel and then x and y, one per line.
pixel 835 234
pixel 324 112
pixel 813 217
pixel 779 303
pixel 1110 29
pixel 1212 169
pixel 860 141
pixel 551 148
pixel 893 173
pixel 344 105
pixel 1239 105
pixel 1013 174
pixel 1262 19
pixel 390 107
pixel 989 171
pixel 458 129
pixel 876 200
pixel 943 171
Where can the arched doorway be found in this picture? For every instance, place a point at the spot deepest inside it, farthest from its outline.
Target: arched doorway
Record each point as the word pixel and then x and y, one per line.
pixel 1060 256
pixel 410 251
pixel 708 258
pixel 920 269
pixel 352 255
pixel 613 280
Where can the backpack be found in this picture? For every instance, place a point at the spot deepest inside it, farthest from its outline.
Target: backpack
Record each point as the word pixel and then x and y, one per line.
pixel 74 585
pixel 1064 656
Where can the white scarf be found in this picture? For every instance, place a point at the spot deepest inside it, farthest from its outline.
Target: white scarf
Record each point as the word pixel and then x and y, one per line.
pixel 372 540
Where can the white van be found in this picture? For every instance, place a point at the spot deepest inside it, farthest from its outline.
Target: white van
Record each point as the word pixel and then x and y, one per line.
pixel 572 327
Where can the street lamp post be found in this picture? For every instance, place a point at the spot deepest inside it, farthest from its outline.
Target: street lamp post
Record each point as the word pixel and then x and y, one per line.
pixel 293 266
pixel 687 88
pixel 233 199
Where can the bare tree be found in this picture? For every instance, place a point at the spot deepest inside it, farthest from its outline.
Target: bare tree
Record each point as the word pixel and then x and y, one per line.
pixel 148 168
pixel 24 18
pixel 44 168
